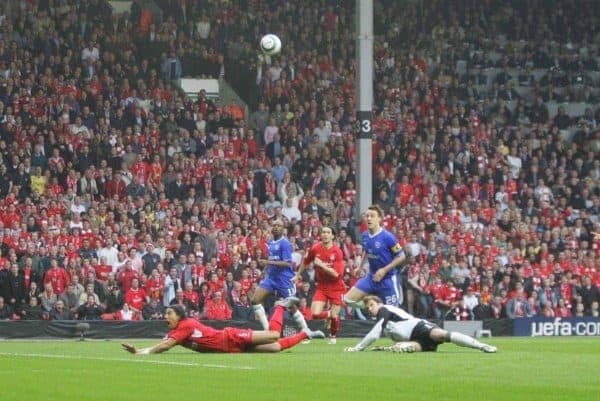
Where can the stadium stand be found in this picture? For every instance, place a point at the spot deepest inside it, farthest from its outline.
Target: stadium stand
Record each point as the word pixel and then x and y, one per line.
pixel 486 142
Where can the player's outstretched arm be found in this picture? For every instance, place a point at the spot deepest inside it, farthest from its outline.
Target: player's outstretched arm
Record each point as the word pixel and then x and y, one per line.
pixel 369 339
pixel 162 346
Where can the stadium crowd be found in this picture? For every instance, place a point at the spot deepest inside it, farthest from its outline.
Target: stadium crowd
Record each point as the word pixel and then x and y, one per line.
pixel 120 195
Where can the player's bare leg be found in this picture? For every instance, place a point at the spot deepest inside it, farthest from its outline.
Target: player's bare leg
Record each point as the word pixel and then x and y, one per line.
pixel 281 344
pixel 273 347
pixel 334 319
pixel 257 305
pixel 462 340
pixel 353 298
pixel 318 312
pixel 261 337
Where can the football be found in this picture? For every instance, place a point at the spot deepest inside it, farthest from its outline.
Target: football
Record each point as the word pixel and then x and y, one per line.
pixel 270 44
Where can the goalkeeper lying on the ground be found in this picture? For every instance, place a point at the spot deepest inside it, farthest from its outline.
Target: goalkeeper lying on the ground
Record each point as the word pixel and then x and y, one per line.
pixel 412 334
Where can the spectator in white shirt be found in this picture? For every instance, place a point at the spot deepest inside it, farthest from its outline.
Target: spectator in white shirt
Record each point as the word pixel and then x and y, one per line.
pixel 271 203
pixel 90 52
pixel 203 27
pixel 542 192
pixel 323 132
pixel 333 170
pixel 415 247
pixel 77 207
pixel 290 211
pixel 470 301
pixel 76 222
pixel 172 284
pixel 110 253
pixel 514 163
pixel 275 70
pixel 136 260
pixel 290 191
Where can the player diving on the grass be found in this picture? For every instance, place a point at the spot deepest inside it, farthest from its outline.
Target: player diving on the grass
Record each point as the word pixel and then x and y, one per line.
pixel 192 334
pixel 410 334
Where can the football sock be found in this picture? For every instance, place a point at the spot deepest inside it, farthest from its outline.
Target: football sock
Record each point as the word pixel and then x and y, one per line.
pixel 299 319
pixel 335 326
pixel 259 312
pixel 464 340
pixel 322 315
pixel 276 322
pixel 289 342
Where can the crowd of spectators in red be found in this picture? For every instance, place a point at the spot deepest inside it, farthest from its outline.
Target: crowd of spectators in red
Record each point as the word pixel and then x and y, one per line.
pixel 120 195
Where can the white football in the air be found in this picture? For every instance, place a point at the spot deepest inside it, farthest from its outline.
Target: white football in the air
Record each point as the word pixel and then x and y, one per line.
pixel 270 44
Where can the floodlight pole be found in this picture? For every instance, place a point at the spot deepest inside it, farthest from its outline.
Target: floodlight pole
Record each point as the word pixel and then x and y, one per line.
pixel 364 87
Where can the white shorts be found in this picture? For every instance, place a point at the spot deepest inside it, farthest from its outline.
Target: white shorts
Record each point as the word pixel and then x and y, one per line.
pixel 402 330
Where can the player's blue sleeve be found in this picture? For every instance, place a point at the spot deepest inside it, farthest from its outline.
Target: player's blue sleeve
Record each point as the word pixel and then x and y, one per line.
pixel 392 244
pixel 286 251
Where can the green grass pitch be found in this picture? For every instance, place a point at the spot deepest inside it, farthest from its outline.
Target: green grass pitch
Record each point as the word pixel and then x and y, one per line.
pixel 524 369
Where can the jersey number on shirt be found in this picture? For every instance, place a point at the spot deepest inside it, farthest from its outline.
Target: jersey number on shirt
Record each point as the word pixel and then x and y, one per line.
pixel 391 300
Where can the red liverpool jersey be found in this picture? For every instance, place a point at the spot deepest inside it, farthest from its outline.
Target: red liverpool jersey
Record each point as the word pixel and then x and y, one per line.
pixel 334 258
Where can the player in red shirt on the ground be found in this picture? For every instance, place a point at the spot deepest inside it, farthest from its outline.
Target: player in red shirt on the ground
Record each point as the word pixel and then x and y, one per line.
pixel 329 268
pixel 192 334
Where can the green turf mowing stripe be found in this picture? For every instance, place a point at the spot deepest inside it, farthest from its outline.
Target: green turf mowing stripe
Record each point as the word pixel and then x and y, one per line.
pixel 130 360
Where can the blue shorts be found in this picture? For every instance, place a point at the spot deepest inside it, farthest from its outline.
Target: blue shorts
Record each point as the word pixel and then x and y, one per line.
pixel 279 288
pixel 387 289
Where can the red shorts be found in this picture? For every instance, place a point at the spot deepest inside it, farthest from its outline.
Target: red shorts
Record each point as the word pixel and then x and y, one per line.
pixel 236 340
pixel 334 296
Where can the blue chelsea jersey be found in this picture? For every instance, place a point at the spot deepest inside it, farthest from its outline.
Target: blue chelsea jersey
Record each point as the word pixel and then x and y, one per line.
pixel 279 250
pixel 381 249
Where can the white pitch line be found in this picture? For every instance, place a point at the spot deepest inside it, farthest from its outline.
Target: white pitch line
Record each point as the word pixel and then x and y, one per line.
pixel 149 361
